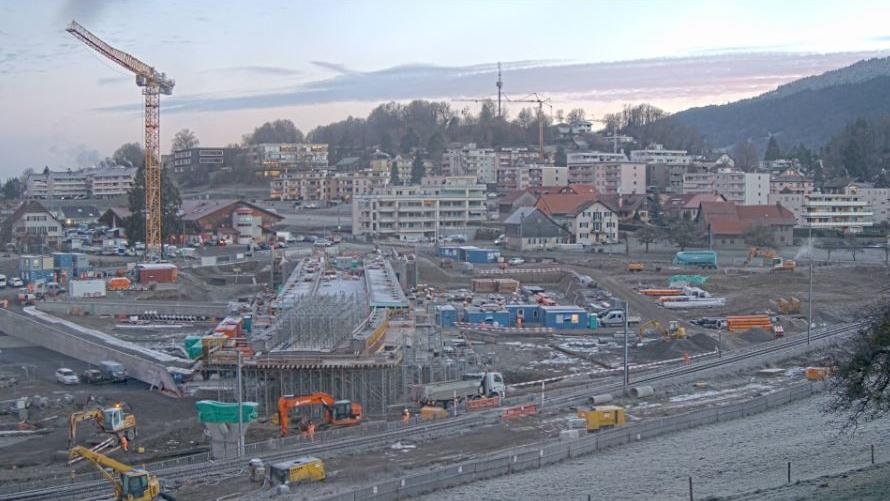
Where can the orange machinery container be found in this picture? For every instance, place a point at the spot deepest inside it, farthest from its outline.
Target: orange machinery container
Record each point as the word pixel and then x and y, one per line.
pixel 118 284
pixel 661 292
pixel 741 323
pixel 817 373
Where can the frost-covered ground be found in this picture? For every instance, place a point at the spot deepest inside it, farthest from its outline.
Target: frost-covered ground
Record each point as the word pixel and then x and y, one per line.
pixel 729 458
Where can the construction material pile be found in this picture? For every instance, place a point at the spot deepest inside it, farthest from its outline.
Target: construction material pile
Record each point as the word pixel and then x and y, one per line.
pixel 501 285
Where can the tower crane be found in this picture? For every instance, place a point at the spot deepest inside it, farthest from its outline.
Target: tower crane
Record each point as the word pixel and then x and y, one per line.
pixel 153 83
pixel 500 86
pixel 540 101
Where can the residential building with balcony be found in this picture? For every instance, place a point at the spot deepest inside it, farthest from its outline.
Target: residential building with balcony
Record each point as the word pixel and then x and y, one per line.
pixel 275 159
pixel 656 154
pixel 742 188
pixel 536 176
pixel 212 159
pixel 65 185
pixel 791 181
pixel 111 182
pixel 414 213
pixel 471 161
pixel 845 212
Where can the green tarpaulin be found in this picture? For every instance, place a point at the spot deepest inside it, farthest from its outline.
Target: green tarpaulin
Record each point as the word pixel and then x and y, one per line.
pixel 193 346
pixel 696 280
pixel 211 411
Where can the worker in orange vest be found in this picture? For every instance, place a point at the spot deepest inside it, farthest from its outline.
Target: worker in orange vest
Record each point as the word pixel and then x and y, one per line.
pixel 685 357
pixel 406 417
pixel 311 430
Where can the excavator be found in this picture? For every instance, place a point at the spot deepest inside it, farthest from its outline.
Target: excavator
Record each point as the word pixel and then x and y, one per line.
pixel 112 421
pixel 674 330
pixel 133 484
pixel 760 252
pixel 337 413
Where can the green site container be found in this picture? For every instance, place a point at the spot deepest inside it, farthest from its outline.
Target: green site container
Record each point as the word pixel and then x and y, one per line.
pixel 211 411
pixel 594 321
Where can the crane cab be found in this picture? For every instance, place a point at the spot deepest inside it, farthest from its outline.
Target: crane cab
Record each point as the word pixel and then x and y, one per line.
pixel 344 411
pixel 112 418
pixel 137 485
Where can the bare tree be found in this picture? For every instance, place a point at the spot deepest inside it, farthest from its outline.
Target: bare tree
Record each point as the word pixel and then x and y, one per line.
pixel 744 153
pixel 185 139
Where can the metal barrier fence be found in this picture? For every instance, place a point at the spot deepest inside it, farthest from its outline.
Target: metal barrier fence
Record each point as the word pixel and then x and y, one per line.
pixel 525 458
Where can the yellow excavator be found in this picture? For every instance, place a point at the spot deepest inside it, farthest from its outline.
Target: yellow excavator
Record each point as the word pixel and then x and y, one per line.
pixel 112 421
pixel 674 330
pixel 760 252
pixel 131 484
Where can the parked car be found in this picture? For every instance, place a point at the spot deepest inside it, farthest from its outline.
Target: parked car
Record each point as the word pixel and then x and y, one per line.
pixel 66 376
pixel 2 281
pixel 17 282
pixel 500 240
pixel 321 242
pixel 516 261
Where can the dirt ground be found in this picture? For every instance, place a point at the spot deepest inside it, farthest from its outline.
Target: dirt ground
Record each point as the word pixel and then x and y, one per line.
pixel 166 426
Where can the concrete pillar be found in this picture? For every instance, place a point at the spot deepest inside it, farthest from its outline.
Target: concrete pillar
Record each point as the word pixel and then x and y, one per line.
pixel 223 439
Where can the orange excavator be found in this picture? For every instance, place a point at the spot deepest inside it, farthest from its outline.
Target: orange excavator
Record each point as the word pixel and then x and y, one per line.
pixel 336 412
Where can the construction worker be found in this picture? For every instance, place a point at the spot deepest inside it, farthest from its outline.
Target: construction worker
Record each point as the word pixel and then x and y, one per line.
pixel 406 417
pixel 125 444
pixel 685 357
pixel 311 430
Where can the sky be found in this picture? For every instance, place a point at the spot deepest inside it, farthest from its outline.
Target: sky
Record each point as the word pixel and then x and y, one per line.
pixel 238 64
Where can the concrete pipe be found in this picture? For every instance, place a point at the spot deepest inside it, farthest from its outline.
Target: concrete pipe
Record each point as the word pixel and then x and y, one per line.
pixel 601 399
pixel 642 391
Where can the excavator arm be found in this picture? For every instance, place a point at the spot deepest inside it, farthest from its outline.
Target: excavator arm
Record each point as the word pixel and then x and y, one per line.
pixel 101 461
pixel 655 324
pixel 78 417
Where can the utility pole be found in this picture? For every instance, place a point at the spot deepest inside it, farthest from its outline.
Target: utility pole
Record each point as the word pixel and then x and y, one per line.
pixel 626 373
pixel 500 87
pixel 240 415
pixel 810 297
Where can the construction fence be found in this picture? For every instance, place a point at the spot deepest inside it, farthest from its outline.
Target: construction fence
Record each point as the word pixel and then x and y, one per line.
pixel 527 459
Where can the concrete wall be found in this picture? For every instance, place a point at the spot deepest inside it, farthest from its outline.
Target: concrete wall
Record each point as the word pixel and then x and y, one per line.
pixel 111 307
pixel 58 339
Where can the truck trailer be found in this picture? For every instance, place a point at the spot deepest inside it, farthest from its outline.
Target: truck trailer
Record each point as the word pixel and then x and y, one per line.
pixel 471 386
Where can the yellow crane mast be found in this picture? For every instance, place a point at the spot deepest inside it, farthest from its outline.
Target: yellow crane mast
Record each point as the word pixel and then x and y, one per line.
pixel 153 83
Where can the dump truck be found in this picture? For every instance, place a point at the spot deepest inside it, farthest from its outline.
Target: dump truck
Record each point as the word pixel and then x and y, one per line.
pixel 702 259
pixel 471 386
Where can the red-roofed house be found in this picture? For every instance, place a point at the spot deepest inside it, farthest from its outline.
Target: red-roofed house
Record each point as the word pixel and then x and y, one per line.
pixel 686 206
pixel 726 223
pixel 236 221
pixel 590 220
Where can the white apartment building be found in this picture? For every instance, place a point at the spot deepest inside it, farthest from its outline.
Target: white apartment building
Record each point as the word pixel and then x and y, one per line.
pixel 627 178
pixel 876 199
pixel 471 161
pixel 275 159
pixel 593 223
pixel 743 188
pixel 112 182
pixel 326 186
pixel 417 213
pixel 656 154
pixel 537 176
pixel 846 212
pixel 105 182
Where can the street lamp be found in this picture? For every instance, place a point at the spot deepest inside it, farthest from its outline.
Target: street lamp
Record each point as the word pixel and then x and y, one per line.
pixel 810 296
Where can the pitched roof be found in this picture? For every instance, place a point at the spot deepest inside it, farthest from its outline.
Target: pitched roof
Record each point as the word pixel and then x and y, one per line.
pixel 119 212
pixel 564 203
pixel 534 223
pixel 622 203
pixel 194 210
pixel 727 218
pixel 80 212
pixel 690 201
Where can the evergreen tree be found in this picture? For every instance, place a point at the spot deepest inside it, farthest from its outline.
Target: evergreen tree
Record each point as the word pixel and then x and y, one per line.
pixel 417 169
pixel 394 175
pixel 772 150
pixel 171 221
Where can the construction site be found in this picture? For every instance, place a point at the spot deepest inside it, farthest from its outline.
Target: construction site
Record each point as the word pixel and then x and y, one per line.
pixel 386 369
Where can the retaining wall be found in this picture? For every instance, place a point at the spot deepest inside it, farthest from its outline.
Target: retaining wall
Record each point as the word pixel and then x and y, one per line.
pixel 110 307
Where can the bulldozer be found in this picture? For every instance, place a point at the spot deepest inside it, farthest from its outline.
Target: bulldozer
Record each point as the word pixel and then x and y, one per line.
pixel 131 484
pixel 673 331
pixel 112 421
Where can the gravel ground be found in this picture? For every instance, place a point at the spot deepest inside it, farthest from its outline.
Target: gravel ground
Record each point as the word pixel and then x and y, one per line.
pixel 866 484
pixel 731 458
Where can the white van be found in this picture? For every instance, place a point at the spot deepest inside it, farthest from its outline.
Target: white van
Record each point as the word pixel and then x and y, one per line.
pixel 2 281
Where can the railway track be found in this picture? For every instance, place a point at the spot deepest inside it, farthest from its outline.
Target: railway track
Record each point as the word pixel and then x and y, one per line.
pixel 98 489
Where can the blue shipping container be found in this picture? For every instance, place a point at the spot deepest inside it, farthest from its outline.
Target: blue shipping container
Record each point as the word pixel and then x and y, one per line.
pixel 452 252
pixel 481 256
pixel 565 317
pixel 477 316
pixel 447 315
pixel 530 313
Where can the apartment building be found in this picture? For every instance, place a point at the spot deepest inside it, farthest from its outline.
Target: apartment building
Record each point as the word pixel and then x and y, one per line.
pixel 212 159
pixel 416 213
pixel 111 182
pixel 509 161
pixel 326 185
pixel 275 159
pixel 656 154
pixel 742 188
pixel 791 181
pixel 103 182
pixel 536 176
pixel 876 199
pixel 471 161
pixel 845 212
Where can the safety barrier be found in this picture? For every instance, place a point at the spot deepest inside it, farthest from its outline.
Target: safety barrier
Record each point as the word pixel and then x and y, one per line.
pixel 519 411
pixel 483 403
pixel 526 459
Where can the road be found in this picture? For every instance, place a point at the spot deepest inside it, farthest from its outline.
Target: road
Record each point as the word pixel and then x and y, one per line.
pixel 729 458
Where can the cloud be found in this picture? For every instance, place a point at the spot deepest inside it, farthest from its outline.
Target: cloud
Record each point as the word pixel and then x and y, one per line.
pixel 635 80
pixel 258 70
pixel 335 67
pixel 882 38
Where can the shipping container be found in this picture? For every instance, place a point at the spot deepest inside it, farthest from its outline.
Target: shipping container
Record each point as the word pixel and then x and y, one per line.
pixel 118 284
pixel 157 273
pixel 477 316
pixel 87 288
pixel 565 317
pixel 446 315
pixel 530 314
pixel 448 251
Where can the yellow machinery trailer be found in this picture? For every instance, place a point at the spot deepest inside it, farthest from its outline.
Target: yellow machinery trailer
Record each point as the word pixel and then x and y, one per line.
pixel 602 416
pixel 304 469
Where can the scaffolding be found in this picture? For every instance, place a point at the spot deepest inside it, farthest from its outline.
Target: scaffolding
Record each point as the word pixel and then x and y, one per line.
pixel 317 323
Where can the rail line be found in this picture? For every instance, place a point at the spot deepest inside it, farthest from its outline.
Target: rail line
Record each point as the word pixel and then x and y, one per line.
pixel 227 467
